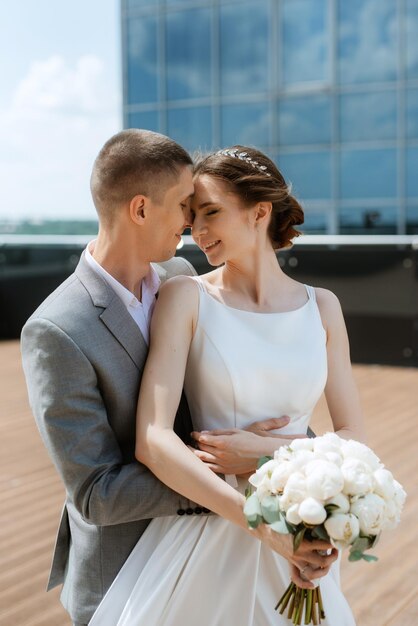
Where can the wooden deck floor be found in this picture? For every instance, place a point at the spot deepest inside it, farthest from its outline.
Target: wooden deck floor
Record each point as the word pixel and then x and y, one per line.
pixel 381 594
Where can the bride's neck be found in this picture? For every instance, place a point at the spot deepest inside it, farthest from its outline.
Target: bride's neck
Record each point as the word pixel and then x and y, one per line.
pixel 254 277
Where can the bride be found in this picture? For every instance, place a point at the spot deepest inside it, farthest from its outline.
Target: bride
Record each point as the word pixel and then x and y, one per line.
pixel 245 340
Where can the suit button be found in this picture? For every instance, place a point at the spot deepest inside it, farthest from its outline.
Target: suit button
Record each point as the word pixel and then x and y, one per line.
pixel 189 511
pixel 180 511
pixel 205 510
pixel 198 510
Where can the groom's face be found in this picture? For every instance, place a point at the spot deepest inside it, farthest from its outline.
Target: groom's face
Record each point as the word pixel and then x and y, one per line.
pixel 170 216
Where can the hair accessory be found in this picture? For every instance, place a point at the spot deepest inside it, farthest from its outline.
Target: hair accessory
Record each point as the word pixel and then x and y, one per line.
pixel 243 156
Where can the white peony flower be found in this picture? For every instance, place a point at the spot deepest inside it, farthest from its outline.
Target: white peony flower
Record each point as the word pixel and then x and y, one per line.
pixel 392 515
pixel 384 484
pixel 400 495
pixel 343 529
pixel 330 442
pixel 358 477
pixel 370 511
pixel 284 453
pixel 294 491
pixel 341 501
pixel 301 458
pixel 355 450
pixel 312 511
pixel 265 470
pixel 302 444
pixel 334 457
pixel 264 488
pixel 324 479
pixel 394 507
pixel 280 475
pixel 292 514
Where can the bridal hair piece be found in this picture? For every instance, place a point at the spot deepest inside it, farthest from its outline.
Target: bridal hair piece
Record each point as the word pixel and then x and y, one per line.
pixel 243 156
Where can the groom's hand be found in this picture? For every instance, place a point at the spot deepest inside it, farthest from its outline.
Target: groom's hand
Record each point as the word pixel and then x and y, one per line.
pixel 236 451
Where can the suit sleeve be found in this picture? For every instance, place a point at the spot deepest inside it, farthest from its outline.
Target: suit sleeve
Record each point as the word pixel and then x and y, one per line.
pixel 188 268
pixel 71 416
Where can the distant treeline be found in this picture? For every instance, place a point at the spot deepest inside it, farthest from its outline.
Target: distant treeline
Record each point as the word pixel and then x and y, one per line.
pixel 49 227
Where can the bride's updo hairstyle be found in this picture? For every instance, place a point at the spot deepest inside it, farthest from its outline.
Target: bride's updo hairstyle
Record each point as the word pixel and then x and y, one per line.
pixel 254 178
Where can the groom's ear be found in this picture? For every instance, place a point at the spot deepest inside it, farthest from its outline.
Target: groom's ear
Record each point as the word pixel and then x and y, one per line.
pixel 138 209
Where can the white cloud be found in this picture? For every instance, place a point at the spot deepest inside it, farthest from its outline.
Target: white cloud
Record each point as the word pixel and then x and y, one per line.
pixel 58 119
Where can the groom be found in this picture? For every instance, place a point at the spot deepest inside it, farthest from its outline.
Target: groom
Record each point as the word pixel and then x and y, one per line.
pixel 84 351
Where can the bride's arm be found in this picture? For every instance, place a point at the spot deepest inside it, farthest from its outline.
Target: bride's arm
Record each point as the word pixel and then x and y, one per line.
pixel 341 392
pixel 158 447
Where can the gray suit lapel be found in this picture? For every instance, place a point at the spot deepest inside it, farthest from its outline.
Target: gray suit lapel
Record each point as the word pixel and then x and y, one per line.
pixel 114 314
pixel 124 328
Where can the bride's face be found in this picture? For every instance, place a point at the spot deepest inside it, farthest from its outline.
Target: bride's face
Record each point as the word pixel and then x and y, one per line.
pixel 221 226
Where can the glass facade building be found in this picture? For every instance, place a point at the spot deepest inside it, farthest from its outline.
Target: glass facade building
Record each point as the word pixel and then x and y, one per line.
pixel 327 88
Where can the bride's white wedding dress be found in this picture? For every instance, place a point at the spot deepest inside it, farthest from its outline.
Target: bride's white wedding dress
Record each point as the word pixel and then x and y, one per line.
pixel 204 570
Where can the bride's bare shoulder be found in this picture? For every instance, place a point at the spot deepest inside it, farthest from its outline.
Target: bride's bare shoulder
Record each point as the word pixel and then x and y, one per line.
pixel 179 292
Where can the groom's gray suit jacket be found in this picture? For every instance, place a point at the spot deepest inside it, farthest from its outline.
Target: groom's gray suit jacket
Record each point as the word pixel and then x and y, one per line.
pixel 83 357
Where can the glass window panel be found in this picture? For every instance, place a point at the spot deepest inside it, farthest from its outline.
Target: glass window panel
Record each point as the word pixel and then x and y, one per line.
pixel 315 222
pixel 368 116
pixel 245 45
pixel 367 40
pixel 412 220
pixel 305 120
pixel 131 5
pixel 308 172
pixel 191 127
pixel 412 172
pixel 363 221
pixel 188 54
pixel 411 25
pixel 305 38
pixel 246 124
pixel 368 173
pixel 144 119
pixel 142 64
pixel 412 114
pixel 174 2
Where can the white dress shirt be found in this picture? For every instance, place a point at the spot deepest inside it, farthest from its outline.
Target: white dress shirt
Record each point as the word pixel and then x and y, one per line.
pixel 141 312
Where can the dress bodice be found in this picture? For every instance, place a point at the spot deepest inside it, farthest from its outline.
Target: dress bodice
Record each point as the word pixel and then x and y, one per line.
pixel 244 366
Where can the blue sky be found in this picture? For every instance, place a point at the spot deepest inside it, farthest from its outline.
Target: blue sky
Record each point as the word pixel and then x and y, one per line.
pixel 60 99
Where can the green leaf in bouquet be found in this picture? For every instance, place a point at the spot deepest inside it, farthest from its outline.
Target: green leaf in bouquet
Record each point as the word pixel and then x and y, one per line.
pixel 255 522
pixel 373 539
pixel 298 538
pixel 280 526
pixel 360 544
pixel 355 555
pixel 252 511
pixel 248 492
pixel 330 508
pixel 320 533
pixel 263 460
pixel 369 557
pixel 270 509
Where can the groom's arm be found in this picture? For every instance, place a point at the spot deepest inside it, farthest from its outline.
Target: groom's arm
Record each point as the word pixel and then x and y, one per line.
pixel 71 415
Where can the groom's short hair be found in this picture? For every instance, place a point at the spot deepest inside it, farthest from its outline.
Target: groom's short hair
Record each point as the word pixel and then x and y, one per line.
pixel 133 162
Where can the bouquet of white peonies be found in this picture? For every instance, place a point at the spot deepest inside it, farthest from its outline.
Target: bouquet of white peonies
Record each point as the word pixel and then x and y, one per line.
pixel 323 488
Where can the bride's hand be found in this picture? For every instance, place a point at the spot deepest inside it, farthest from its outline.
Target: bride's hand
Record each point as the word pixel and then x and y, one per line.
pixel 236 451
pixel 307 563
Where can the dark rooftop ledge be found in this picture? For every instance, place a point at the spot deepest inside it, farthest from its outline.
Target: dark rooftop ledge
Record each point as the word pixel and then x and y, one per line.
pixel 310 240
pixel 375 278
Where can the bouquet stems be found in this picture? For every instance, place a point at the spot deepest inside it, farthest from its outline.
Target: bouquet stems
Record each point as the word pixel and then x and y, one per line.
pixel 299 599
